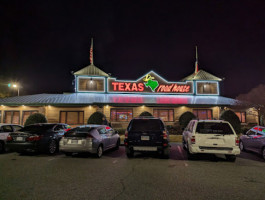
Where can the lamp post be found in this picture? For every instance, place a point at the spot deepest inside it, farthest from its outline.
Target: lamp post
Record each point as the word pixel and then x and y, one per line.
pixel 14 86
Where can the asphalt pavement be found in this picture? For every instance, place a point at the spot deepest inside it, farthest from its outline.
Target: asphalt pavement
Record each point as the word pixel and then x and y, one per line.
pixel 146 176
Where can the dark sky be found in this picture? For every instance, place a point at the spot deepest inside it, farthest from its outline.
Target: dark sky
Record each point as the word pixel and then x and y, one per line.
pixel 41 42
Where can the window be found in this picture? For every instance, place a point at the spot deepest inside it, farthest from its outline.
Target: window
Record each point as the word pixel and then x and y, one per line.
pixel 17 128
pixel 203 113
pixel 12 117
pixel 72 117
pixel 26 114
pixel 167 115
pixel 207 88
pixel 121 115
pixel 241 116
pixel 6 128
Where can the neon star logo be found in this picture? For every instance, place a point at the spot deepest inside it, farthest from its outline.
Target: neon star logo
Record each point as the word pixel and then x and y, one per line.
pixel 149 82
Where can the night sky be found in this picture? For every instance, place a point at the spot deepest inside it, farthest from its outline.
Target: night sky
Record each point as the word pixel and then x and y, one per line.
pixel 41 42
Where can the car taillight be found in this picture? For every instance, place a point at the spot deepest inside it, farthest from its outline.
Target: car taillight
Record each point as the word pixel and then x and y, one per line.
pixel 34 138
pixel 192 140
pixel 237 141
pixel 67 129
pixel 126 134
pixel 164 135
pixel 89 136
pixel 9 138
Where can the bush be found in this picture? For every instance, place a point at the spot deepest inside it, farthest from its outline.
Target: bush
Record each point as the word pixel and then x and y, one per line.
pixel 185 119
pixel 97 118
pixel 145 114
pixel 35 118
pixel 233 119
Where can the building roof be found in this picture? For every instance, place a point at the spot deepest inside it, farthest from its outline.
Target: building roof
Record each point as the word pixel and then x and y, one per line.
pixel 116 99
pixel 91 70
pixel 201 75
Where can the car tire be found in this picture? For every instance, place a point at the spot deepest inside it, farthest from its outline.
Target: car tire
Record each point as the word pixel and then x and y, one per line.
pixel 52 147
pixel 68 153
pixel 117 145
pixel 129 153
pixel 263 153
pixel 2 147
pixel 230 158
pixel 241 146
pixel 165 153
pixel 99 151
pixel 190 156
pixel 184 144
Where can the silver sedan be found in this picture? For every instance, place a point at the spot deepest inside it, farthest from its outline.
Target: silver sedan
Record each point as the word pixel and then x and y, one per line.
pixel 94 139
pixel 253 141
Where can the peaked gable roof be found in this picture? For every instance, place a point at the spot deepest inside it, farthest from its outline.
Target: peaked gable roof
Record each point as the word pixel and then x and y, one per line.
pixel 201 75
pixel 91 70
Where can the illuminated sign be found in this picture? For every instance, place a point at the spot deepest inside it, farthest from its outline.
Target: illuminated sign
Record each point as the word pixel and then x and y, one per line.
pixel 150 83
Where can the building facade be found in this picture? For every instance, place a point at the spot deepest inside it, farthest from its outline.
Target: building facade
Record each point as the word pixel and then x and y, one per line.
pixel 121 100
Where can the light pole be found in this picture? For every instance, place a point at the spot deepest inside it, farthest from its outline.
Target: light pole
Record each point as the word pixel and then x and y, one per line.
pixel 14 86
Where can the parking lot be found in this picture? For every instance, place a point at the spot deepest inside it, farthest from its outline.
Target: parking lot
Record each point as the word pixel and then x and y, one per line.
pixel 146 176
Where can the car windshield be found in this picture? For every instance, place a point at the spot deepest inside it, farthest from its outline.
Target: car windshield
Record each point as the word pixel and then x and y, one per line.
pixel 146 125
pixel 36 128
pixel 214 128
pixel 78 130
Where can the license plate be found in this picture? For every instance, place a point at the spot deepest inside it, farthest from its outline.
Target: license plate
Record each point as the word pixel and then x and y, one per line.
pixel 74 141
pixel 145 138
pixel 19 138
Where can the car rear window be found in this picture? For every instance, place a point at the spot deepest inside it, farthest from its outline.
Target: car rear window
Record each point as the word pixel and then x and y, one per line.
pixel 146 125
pixel 214 128
pixel 37 128
pixel 80 132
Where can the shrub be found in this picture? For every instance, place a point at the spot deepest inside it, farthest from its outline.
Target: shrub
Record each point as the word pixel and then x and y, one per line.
pixel 145 113
pixel 185 119
pixel 35 118
pixel 233 119
pixel 97 118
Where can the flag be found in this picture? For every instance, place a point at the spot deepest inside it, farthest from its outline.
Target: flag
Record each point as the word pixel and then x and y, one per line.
pixel 91 52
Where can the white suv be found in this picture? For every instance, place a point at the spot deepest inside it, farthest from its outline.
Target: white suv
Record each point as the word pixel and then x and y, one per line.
pixel 211 136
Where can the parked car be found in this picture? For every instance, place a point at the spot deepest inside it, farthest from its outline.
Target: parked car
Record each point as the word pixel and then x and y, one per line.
pixel 5 129
pixel 93 139
pixel 146 134
pixel 210 136
pixel 253 140
pixel 42 137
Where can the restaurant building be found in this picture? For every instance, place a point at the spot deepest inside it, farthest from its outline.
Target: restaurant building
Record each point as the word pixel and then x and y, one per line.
pixel 121 100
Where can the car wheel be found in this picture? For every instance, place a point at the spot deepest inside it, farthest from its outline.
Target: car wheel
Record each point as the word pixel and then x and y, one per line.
pixel 241 146
pixel 117 145
pixel 129 152
pixel 184 144
pixel 231 158
pixel 68 153
pixel 2 147
pixel 99 151
pixel 263 153
pixel 52 148
pixel 190 156
pixel 165 153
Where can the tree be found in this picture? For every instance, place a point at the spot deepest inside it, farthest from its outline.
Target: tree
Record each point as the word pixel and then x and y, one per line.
pixel 145 114
pixel 97 118
pixel 35 118
pixel 185 118
pixel 255 97
pixel 233 119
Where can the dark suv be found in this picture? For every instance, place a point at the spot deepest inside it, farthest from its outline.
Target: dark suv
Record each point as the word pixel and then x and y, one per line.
pixel 146 134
